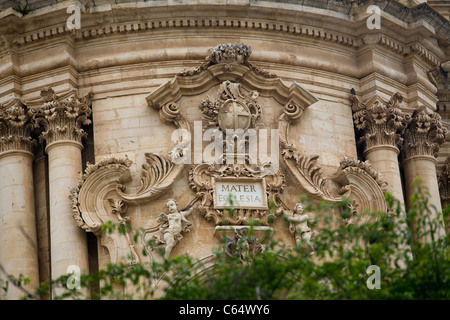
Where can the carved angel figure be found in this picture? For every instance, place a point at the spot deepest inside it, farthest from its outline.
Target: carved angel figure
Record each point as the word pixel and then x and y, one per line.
pixel 172 225
pixel 299 225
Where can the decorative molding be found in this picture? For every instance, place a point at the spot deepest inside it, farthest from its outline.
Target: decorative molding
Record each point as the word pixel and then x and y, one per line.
pixel 352 164
pixel 424 134
pixel 379 122
pixel 15 127
pixel 203 80
pixel 62 116
pixel 99 178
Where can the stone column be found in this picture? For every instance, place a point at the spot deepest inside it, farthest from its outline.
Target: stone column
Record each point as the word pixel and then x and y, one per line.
pixel 18 242
pixel 423 137
pixel 62 118
pixel 380 125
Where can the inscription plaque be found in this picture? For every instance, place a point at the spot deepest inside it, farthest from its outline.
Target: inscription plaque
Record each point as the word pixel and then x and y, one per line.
pixel 240 193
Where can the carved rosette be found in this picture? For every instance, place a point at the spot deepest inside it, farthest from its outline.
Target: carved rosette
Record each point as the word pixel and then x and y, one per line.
pixel 379 122
pixel 15 127
pixel 424 134
pixel 61 117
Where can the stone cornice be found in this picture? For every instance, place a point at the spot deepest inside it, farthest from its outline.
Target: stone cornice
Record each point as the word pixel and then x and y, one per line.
pixel 61 116
pixel 15 127
pixel 348 11
pixel 424 134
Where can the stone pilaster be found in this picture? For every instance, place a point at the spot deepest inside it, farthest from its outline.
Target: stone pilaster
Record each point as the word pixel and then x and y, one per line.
pixel 62 118
pixel 18 241
pixel 423 137
pixel 379 125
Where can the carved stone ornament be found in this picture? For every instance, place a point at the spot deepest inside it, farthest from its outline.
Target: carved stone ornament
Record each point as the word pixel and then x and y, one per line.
pixel 169 230
pixel 232 108
pixel 352 179
pixel 243 244
pixel 15 127
pixel 379 122
pixel 101 194
pixel 228 54
pixel 298 225
pixel 95 202
pixel 61 116
pixel 424 134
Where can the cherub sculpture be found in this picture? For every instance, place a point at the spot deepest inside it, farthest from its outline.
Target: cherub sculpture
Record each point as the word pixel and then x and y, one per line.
pixel 299 225
pixel 172 225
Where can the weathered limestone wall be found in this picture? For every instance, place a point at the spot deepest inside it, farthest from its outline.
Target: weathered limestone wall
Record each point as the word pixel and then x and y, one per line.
pixel 124 52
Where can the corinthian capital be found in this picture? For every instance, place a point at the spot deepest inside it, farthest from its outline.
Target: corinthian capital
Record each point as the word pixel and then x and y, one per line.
pixel 379 122
pixel 62 116
pixel 15 127
pixel 424 134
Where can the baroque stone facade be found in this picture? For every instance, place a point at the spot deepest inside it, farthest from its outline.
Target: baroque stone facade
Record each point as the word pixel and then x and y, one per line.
pixel 190 120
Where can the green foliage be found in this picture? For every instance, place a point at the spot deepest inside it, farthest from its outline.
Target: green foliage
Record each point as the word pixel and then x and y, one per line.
pixel 413 262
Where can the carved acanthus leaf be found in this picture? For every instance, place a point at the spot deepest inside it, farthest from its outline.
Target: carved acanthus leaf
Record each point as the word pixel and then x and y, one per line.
pixel 158 174
pixel 379 122
pixel 62 117
pixel 424 134
pixel 15 127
